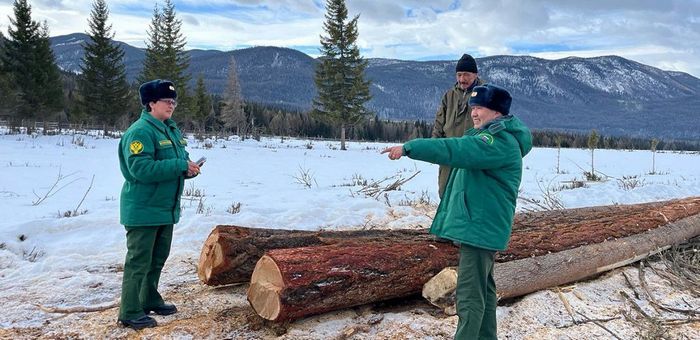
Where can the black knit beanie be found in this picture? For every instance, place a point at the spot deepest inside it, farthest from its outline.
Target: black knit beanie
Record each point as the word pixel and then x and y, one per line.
pixel 466 64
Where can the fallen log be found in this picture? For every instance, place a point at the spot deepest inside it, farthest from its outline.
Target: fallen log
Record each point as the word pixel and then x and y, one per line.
pixel 523 276
pixel 230 252
pixel 291 283
pixel 542 233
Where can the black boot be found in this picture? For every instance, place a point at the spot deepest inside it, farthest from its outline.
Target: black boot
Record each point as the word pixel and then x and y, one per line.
pixel 140 323
pixel 165 309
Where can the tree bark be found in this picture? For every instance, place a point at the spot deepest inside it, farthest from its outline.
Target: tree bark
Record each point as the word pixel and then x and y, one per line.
pixel 230 252
pixel 291 283
pixel 542 233
pixel 527 275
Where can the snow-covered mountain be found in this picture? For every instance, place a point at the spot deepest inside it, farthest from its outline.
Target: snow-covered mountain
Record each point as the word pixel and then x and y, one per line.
pixel 611 94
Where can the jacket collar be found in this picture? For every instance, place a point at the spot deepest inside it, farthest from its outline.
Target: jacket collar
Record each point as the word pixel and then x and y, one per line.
pixel 169 123
pixel 471 87
pixel 497 124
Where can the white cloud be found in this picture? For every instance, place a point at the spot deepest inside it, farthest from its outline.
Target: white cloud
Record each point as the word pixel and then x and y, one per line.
pixel 660 33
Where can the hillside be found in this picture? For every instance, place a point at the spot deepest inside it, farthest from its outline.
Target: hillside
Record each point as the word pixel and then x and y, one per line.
pixel 611 94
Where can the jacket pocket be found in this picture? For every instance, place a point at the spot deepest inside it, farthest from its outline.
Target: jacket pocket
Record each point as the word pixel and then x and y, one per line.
pixel 163 195
pixel 165 152
pixel 457 212
pixel 464 204
pixel 141 193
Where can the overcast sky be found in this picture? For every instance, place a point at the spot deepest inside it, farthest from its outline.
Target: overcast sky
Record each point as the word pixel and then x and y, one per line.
pixel 661 33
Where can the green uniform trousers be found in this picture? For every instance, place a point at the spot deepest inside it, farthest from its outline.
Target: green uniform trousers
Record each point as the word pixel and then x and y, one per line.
pixel 476 294
pixel 147 249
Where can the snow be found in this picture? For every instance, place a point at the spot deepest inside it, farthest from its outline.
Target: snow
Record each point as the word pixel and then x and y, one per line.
pixel 58 261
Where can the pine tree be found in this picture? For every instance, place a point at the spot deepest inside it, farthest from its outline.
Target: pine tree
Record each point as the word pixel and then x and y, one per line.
pixel 232 113
pixel 7 93
pixel 202 102
pixel 48 75
pixel 166 57
pixel 152 62
pixel 31 64
pixel 342 90
pixel 102 81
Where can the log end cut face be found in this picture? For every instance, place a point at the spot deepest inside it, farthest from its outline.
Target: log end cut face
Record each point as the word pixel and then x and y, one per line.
pixel 265 286
pixel 441 285
pixel 211 258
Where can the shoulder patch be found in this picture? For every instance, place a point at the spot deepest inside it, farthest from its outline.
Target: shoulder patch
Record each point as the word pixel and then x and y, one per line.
pixel 486 138
pixel 136 147
pixel 496 127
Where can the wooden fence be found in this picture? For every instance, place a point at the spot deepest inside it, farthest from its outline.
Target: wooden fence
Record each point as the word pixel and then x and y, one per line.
pixel 52 127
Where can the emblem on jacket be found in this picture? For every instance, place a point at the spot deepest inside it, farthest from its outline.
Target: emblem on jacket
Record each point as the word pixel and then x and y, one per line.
pixel 135 147
pixel 486 138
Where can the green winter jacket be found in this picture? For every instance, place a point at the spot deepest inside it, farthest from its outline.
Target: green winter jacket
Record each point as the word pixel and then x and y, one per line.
pixel 153 161
pixel 479 201
pixel 452 119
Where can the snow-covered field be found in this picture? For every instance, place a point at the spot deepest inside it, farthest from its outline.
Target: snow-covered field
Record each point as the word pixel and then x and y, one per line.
pixel 51 260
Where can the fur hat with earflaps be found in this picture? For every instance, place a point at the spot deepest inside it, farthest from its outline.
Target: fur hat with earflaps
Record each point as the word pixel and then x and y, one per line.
pixel 491 96
pixel 155 90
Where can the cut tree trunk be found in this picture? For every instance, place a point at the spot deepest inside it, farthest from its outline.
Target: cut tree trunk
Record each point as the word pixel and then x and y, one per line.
pixel 527 275
pixel 230 252
pixel 291 283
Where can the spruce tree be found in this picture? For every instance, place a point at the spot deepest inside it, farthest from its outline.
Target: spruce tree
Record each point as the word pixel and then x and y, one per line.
pixel 232 113
pixel 48 75
pixel 202 102
pixel 166 57
pixel 342 90
pixel 102 82
pixel 7 93
pixel 31 64
pixel 152 62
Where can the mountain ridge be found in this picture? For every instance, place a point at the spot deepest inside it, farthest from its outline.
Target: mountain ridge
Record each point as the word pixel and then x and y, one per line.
pixel 612 94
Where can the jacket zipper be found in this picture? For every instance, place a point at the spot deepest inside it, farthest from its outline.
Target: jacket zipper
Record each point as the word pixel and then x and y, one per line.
pixel 177 190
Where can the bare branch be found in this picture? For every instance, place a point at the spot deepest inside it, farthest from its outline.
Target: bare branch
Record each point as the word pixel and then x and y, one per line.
pixel 52 191
pixel 77 309
pixel 75 212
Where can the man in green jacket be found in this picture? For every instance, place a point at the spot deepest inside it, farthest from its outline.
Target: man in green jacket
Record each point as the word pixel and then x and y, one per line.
pixel 154 163
pixel 453 117
pixel 478 205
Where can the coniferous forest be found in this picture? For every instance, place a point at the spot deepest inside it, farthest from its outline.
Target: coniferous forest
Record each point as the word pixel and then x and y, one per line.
pixel 35 92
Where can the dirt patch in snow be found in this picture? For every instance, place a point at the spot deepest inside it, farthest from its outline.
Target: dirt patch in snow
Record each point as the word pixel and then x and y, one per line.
pixel 223 313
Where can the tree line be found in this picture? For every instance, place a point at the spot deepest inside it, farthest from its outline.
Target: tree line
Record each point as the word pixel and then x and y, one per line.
pixel 32 87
